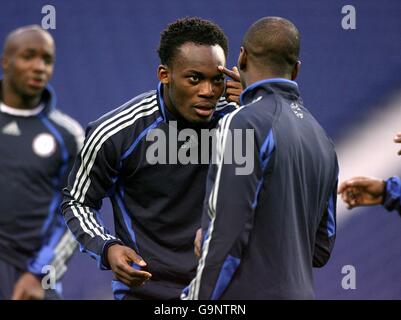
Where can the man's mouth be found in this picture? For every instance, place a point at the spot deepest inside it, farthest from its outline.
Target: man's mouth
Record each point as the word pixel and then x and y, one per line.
pixel 36 83
pixel 204 109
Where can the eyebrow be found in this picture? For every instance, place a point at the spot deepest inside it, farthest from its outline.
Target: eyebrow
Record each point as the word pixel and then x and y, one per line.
pixel 218 73
pixel 28 49
pixel 193 71
pixel 34 50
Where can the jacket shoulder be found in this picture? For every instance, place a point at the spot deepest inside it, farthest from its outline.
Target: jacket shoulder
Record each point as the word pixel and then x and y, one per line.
pixel 138 105
pixel 70 128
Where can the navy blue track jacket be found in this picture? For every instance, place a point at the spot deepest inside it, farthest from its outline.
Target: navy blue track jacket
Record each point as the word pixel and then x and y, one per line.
pixel 37 153
pixel 265 230
pixel 157 207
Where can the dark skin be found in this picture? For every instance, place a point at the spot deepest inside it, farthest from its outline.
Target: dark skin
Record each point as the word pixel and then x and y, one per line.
pixel 120 259
pixel 28 287
pixel 193 85
pixel 27 63
pixel 198 243
pixel 252 71
pixel 364 191
pixel 233 87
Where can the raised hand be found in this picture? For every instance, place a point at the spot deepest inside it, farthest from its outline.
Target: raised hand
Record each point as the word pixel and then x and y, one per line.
pixel 233 87
pixel 362 191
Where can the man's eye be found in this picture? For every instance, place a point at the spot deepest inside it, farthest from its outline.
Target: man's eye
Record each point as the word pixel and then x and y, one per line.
pixel 27 56
pixel 48 60
pixel 194 78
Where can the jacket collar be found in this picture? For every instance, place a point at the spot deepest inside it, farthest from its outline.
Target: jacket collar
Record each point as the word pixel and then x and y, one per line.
pixel 271 84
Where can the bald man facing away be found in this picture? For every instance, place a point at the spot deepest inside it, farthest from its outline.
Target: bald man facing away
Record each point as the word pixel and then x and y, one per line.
pixel 265 230
pixel 38 145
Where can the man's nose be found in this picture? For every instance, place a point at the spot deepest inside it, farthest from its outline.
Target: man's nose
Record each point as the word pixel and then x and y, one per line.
pixel 39 65
pixel 206 89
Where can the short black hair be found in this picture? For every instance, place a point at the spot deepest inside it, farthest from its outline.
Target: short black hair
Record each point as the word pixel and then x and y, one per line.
pixel 274 42
pixel 189 29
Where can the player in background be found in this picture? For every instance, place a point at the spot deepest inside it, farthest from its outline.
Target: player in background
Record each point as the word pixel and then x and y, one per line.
pixel 38 145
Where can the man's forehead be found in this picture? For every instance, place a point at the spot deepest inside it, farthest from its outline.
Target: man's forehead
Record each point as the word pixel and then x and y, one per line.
pixel 191 54
pixel 29 39
pixel 34 36
pixel 190 49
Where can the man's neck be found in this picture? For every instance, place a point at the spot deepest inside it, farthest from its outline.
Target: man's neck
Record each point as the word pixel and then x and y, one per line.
pixel 257 73
pixel 14 100
pixel 168 103
pixel 261 77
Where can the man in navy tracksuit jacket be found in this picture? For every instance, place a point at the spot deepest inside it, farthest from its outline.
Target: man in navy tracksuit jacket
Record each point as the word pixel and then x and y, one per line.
pixel 157 205
pixel 265 230
pixel 38 145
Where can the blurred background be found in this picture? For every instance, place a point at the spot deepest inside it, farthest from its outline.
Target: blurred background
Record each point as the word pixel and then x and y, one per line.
pixel 350 80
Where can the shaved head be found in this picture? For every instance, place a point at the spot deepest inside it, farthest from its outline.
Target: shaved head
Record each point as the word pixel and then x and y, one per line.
pixel 27 63
pixel 273 43
pixel 18 36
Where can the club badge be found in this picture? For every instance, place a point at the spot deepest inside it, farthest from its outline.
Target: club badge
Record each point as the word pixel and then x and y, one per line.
pixel 44 145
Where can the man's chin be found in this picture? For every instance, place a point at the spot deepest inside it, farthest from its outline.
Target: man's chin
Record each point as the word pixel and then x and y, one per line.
pixel 200 120
pixel 33 92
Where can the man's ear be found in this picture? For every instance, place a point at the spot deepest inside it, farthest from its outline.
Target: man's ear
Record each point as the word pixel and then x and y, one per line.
pixel 4 62
pixel 242 59
pixel 295 70
pixel 163 73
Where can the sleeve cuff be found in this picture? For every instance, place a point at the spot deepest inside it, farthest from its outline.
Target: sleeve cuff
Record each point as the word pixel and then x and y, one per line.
pixel 104 264
pixel 392 193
